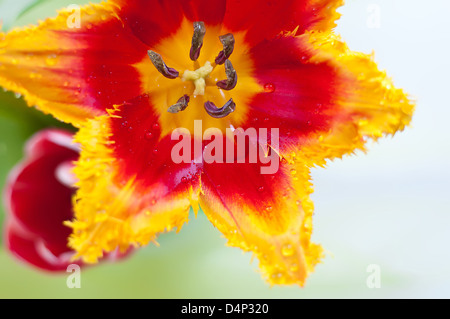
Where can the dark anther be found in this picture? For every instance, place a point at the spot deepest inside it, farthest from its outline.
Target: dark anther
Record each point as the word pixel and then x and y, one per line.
pixel 231 81
pixel 181 105
pixel 161 66
pixel 228 47
pixel 197 40
pixel 224 111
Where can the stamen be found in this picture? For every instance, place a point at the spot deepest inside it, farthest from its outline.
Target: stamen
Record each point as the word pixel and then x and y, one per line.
pixel 159 64
pixel 181 105
pixel 224 111
pixel 228 47
pixel 197 40
pixel 231 81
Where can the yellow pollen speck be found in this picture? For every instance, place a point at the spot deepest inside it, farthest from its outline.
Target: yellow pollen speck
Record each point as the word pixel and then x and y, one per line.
pixel 198 77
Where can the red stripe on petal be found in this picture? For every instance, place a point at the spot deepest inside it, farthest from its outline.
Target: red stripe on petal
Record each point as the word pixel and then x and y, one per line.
pixel 73 72
pixel 151 20
pixel 211 12
pixel 267 19
pixel 140 149
pixel 298 97
pixel 269 215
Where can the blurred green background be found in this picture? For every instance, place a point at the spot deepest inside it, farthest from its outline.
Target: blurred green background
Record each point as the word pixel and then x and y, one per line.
pixel 389 207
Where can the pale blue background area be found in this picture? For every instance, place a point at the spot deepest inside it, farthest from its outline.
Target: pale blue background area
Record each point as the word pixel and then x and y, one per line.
pixel 390 207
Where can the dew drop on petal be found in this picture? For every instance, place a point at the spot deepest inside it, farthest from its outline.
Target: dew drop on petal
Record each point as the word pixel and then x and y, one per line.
pixel 277 275
pixel 148 135
pixel 261 189
pixel 155 126
pixel 51 60
pixel 287 250
pixel 269 88
pixel 184 179
pixel 294 268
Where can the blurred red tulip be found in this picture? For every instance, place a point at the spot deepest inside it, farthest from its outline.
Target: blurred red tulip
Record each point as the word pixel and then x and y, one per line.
pixel 38 200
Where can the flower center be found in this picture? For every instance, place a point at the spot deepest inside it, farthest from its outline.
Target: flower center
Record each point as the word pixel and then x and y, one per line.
pixel 200 75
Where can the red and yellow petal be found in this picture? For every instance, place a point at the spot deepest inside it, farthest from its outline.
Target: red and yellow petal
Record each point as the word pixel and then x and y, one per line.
pixel 151 21
pixel 370 105
pixel 269 215
pixel 129 189
pixel 267 19
pixel 298 96
pixel 326 99
pixel 73 72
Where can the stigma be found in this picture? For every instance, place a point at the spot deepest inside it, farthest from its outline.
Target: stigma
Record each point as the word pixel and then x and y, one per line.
pixel 198 77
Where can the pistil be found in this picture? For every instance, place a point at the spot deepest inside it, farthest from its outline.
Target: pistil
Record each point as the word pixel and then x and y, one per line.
pixel 198 77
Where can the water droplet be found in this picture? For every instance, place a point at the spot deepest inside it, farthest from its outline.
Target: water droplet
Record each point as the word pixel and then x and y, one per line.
pixel 148 135
pixel 287 250
pixel 277 275
pixel 184 179
pixel 298 203
pixel 294 268
pixel 155 151
pixel 51 60
pixel 17 95
pixel 261 189
pixel 269 208
pixel 155 126
pixel 269 88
